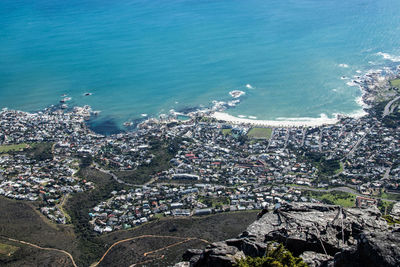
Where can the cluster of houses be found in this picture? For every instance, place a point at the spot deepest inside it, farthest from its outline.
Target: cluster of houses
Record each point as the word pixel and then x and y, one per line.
pixel 23 176
pixel 368 153
pixel 209 155
pixel 126 151
pixel 128 208
pixel 216 166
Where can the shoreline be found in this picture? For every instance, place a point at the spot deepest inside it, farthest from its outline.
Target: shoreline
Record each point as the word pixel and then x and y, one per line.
pixel 369 84
pixel 300 122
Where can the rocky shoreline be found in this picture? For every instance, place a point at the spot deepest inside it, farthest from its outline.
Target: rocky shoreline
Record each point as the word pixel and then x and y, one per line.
pixel 372 84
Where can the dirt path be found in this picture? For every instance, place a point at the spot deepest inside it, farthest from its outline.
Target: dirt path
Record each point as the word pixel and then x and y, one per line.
pixel 38 247
pixel 183 240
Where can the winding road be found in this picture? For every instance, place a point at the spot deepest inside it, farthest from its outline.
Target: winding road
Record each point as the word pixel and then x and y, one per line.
pixel 387 109
pixel 115 177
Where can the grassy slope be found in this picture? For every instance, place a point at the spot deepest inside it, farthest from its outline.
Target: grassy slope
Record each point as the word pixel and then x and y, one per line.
pixel 7 250
pixel 212 228
pixel 28 256
pixel 78 206
pixel 20 220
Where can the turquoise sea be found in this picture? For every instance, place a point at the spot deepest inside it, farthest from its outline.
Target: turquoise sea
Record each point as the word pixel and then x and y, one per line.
pixel 150 56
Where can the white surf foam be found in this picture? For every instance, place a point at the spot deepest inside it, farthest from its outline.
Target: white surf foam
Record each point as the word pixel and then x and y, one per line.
pixel 352 83
pixel 279 122
pixel 388 56
pixel 359 101
pixel 249 86
pixel 357 114
pixel 343 65
pixel 233 103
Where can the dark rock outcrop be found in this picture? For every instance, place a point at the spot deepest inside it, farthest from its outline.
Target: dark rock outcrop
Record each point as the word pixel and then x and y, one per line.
pixel 217 254
pixel 373 249
pixel 323 235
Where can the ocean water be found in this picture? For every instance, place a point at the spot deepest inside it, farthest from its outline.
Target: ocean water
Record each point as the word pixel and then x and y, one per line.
pixel 142 56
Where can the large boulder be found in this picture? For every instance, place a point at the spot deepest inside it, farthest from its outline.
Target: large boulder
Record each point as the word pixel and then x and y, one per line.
pixel 219 254
pixel 316 227
pixel 395 210
pixel 323 235
pixel 373 249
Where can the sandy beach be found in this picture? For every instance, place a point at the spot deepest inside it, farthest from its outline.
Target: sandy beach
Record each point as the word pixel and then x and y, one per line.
pixel 295 122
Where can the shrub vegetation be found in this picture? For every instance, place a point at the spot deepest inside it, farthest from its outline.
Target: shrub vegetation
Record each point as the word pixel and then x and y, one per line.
pixel 274 257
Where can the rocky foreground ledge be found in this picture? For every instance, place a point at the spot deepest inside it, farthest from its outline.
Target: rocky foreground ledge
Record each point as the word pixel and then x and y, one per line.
pixel 323 235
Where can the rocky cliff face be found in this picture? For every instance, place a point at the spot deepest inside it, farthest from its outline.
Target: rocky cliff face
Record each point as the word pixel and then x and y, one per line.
pixel 323 235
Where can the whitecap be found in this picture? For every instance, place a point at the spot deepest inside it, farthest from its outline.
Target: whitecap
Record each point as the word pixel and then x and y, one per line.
pixel 387 56
pixel 343 65
pixel 233 102
pixel 143 115
pixel 242 116
pixel 253 117
pixel 249 86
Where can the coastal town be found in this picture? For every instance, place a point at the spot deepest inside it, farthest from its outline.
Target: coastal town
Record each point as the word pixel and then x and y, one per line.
pixel 212 165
